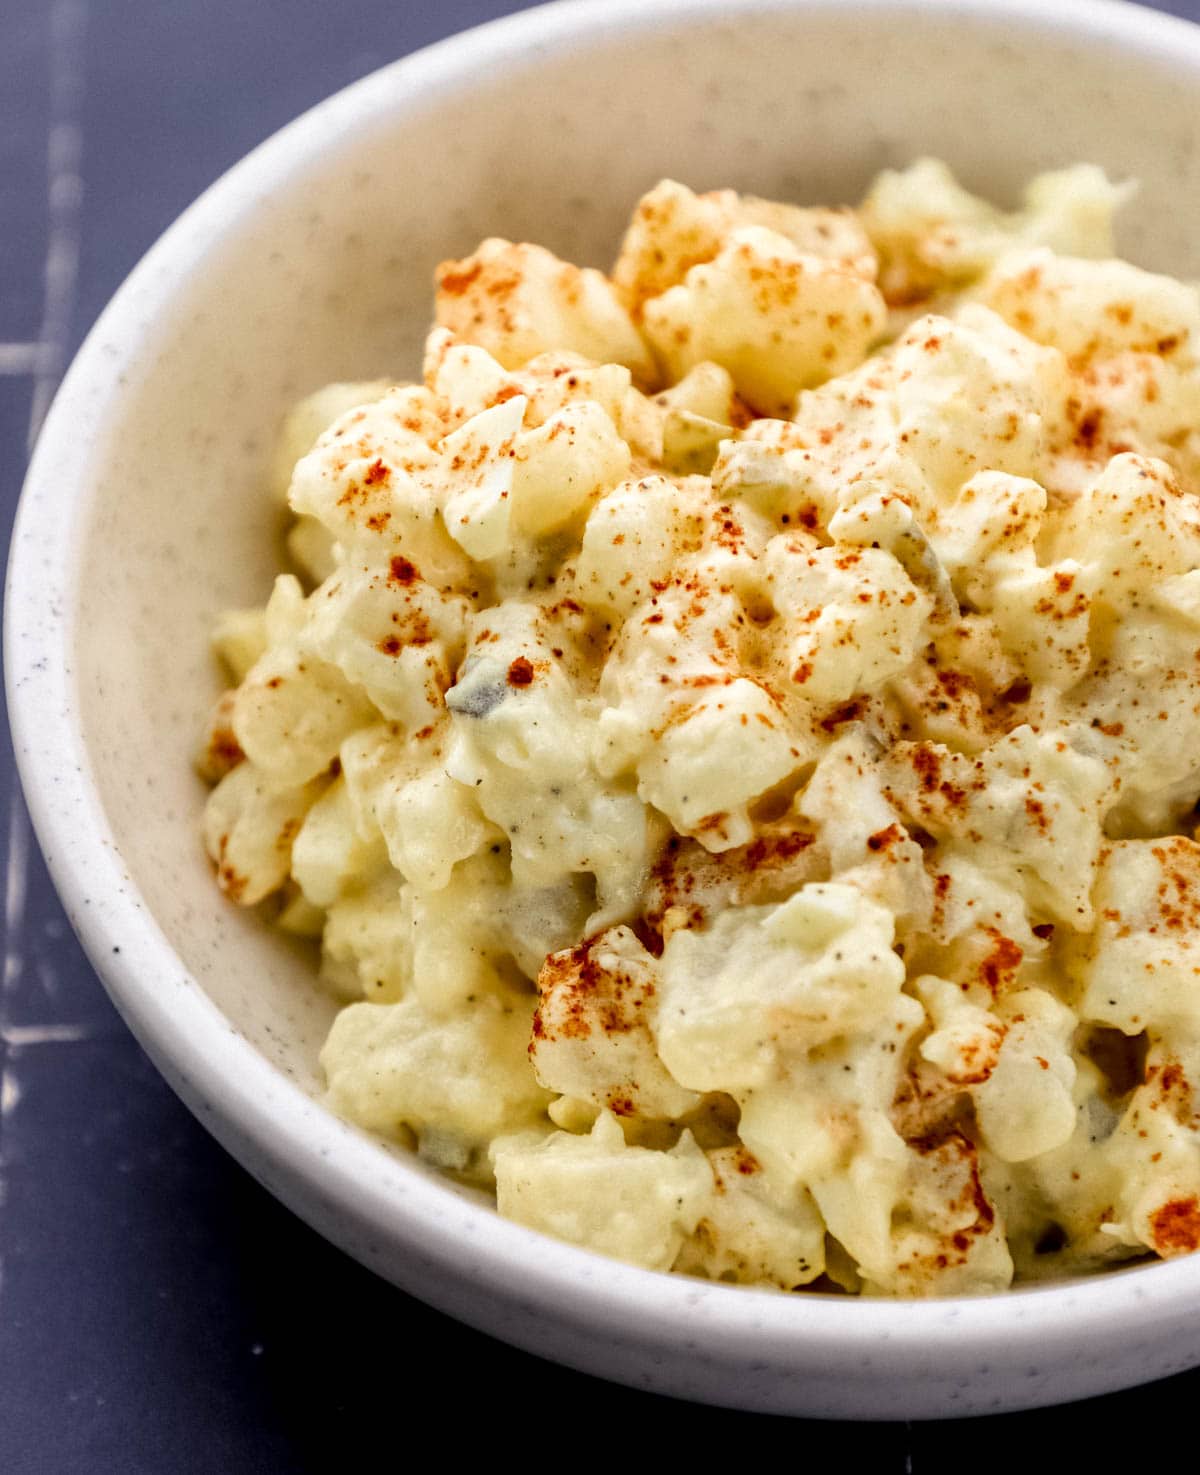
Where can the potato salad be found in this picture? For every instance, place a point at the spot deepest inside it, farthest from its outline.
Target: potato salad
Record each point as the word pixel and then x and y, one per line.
pixel 733 731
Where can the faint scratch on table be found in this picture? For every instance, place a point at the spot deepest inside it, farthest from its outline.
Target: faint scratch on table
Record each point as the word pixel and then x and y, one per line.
pixel 21 1036
pixel 64 186
pixel 24 358
pixel 48 978
pixel 16 888
pixel 16 891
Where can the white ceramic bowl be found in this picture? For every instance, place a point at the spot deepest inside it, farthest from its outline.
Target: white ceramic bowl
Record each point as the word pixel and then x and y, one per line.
pixel 143 516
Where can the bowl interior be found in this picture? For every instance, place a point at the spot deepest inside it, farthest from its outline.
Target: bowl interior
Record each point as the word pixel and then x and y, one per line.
pixel 314 263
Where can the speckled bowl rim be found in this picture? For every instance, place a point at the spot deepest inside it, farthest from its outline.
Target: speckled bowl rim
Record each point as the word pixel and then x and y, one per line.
pixel 168 1010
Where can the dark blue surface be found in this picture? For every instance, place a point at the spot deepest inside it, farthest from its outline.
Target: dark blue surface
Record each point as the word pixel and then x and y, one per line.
pixel 158 1312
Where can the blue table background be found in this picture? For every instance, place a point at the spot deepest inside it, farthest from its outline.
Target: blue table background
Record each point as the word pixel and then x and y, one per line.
pixel 159 1312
